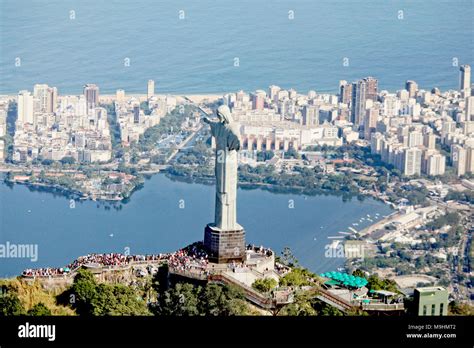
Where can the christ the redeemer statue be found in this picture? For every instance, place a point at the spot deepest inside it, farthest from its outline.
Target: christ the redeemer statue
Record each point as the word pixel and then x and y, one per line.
pixel 226 133
pixel 225 238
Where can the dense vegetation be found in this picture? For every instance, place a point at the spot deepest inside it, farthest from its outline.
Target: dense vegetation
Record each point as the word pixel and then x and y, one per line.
pixel 264 285
pixel 464 196
pixel 450 219
pixel 88 297
pixel 189 300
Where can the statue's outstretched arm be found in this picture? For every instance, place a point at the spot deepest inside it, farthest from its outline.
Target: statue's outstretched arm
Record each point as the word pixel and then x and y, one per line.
pixel 209 121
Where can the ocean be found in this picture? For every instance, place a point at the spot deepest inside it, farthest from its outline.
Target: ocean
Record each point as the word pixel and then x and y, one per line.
pixel 193 47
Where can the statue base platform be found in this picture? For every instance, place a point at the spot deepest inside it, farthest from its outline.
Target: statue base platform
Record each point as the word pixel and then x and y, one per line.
pixel 224 246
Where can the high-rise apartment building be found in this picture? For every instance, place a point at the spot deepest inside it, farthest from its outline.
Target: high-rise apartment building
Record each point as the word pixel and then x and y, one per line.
pixel 345 92
pixel 469 109
pixel 370 122
pixel 429 140
pixel 258 100
pixel 465 80
pixel 136 113
pixel 120 95
pixel 458 159
pixel 358 102
pixel 412 87
pixel 150 91
pixel 411 161
pixel 362 91
pixel 25 108
pixel 310 115
pixel 372 88
pixel 45 98
pixel 435 164
pixel 91 92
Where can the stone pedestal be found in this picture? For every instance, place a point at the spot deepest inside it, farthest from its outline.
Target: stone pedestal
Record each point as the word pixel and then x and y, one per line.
pixel 224 246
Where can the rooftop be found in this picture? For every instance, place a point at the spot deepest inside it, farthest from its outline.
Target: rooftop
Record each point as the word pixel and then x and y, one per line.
pixel 431 288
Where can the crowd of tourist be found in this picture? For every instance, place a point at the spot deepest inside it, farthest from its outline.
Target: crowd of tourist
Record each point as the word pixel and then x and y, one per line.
pixel 45 272
pixel 93 260
pixel 193 257
pixel 264 251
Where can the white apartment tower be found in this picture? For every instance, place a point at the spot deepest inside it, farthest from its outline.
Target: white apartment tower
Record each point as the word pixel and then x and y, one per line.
pixel 45 98
pixel 436 164
pixel 150 92
pixel 465 80
pixel 469 108
pixel 25 108
pixel 458 159
pixel 411 161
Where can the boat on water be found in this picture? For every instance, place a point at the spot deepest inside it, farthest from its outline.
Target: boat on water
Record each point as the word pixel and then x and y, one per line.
pixel 353 229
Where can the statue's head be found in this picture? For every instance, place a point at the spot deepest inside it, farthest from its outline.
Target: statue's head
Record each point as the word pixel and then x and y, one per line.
pixel 223 112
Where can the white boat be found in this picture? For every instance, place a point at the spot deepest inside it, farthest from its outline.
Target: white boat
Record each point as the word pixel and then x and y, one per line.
pixel 353 230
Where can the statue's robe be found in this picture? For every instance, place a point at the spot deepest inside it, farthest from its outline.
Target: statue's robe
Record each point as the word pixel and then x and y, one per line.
pixel 227 145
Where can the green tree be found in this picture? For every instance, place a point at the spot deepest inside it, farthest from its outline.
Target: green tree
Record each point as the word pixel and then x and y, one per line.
pixel 376 283
pixel 465 309
pixel 264 285
pixel 83 290
pixel 303 305
pixel 47 162
pixel 90 298
pixel 10 305
pixel 297 277
pixel 67 160
pixel 181 300
pixel 39 309
pixel 287 257
pixel 358 273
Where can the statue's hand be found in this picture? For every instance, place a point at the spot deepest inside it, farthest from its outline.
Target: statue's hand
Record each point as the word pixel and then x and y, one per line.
pixel 206 120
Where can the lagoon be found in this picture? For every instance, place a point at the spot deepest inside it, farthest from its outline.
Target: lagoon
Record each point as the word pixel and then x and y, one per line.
pixel 166 215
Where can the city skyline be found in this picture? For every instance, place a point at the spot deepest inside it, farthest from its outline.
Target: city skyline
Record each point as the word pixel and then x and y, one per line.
pixel 243 159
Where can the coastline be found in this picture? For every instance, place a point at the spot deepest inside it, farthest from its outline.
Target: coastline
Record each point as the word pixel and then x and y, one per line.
pixel 196 98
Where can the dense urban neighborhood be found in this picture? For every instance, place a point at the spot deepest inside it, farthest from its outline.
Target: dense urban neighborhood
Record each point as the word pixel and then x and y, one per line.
pixel 412 149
